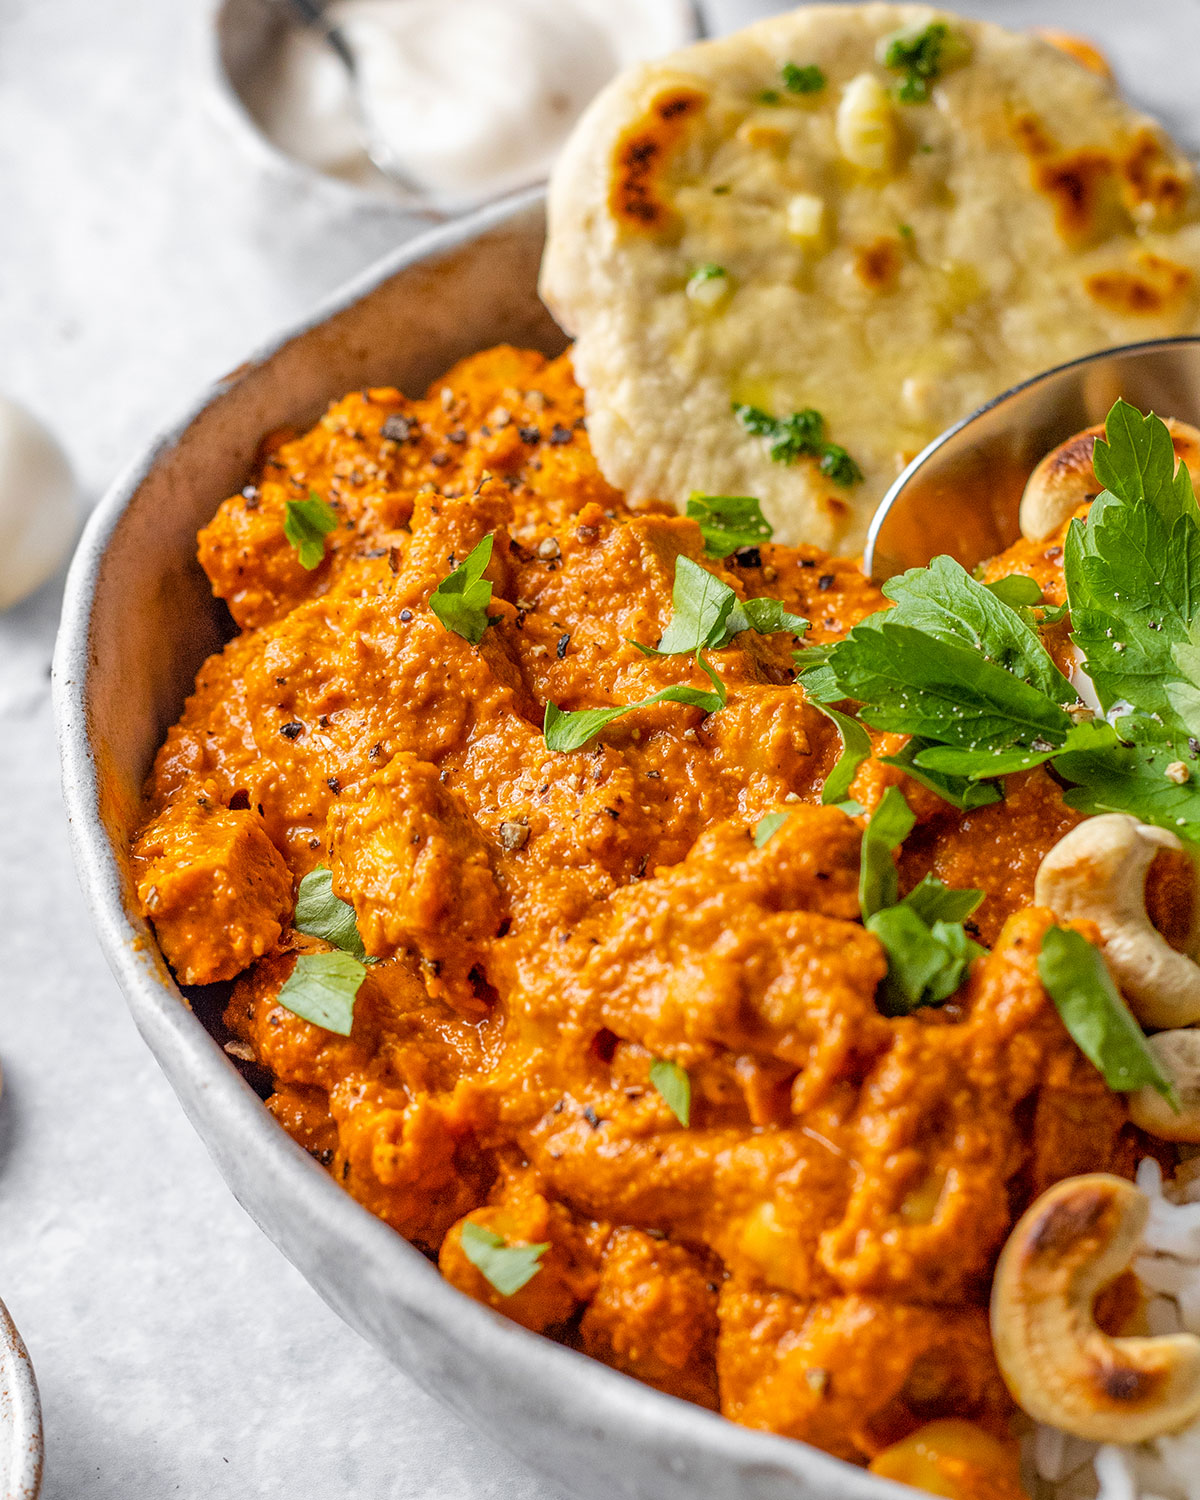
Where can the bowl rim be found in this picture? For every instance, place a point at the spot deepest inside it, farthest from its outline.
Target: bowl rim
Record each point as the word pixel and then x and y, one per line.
pixel 581 1391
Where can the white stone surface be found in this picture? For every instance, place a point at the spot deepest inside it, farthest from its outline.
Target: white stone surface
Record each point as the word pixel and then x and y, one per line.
pixel 177 1352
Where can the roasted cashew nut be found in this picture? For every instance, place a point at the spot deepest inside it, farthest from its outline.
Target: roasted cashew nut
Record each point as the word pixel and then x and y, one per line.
pixel 1060 1367
pixel 1065 478
pixel 1098 871
pixel 1177 1053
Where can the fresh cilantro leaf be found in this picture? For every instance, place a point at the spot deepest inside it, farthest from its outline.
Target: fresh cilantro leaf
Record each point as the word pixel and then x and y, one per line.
pixel 946 602
pixel 765 617
pixel 934 902
pixel 1103 1028
pixel 1018 591
pixel 322 914
pixel 851 808
pixel 956 790
pixel 798 436
pixel 461 600
pixel 1135 462
pixel 912 682
pixel 570 730
pixel 701 605
pixel 926 962
pixel 708 272
pixel 322 989
pixel 856 747
pixel 1133 580
pixel 707 613
pixel 767 826
pixel 728 522
pixel 809 657
pixel 673 1083
pixel 768 96
pixel 306 524
pixel 1133 779
pixel 507 1267
pixel 878 882
pixel 802 80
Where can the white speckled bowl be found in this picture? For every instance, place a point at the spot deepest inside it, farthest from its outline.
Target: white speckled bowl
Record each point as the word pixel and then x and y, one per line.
pixel 137 622
pixel 20 1417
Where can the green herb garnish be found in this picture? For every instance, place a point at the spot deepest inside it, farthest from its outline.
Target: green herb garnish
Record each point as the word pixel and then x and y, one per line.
pixel 507 1267
pixel 768 826
pixel 878 880
pixel 707 614
pixel 920 56
pixel 322 988
pixel 959 665
pixel 306 524
pixel 673 1083
pixel 461 600
pixel 1103 1028
pixel 928 950
pixel 802 80
pixel 322 914
pixel 728 522
pixel 768 96
pixel 799 436
pixel 927 961
pixel 856 747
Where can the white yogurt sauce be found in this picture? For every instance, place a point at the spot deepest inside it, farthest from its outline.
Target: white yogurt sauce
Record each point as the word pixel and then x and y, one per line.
pixel 39 512
pixel 473 97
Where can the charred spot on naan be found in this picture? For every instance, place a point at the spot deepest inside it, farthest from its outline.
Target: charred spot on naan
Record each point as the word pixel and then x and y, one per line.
pixel 642 153
pixel 1157 285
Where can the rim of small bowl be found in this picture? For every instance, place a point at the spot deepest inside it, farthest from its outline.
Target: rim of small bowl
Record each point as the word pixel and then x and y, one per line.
pixel 234 113
pixel 21 1412
pixel 580 1390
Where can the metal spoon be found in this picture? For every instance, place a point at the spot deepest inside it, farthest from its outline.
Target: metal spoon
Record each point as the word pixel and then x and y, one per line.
pixel 962 493
pixel 311 14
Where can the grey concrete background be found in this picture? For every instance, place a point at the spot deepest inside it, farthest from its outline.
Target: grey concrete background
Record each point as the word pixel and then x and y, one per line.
pixel 178 1353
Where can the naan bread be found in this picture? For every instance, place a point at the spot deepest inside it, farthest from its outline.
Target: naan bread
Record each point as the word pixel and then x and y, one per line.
pixel 890 264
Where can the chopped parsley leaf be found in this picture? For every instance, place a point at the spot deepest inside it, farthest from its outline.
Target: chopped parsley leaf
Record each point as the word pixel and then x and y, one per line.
pixel 306 524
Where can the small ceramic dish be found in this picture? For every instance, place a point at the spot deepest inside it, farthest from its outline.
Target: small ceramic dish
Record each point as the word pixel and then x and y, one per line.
pixel 20 1417
pixel 138 620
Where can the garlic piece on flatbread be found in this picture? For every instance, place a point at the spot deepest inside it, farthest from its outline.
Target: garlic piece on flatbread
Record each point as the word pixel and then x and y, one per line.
pixel 888 264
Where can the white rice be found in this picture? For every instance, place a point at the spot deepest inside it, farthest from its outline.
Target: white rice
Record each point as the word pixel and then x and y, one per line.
pixel 1167 1468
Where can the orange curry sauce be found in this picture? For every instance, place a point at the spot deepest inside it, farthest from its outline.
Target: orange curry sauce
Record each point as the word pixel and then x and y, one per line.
pixel 812 1253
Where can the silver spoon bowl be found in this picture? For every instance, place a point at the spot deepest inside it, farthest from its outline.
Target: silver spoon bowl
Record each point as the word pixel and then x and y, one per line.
pixel 961 495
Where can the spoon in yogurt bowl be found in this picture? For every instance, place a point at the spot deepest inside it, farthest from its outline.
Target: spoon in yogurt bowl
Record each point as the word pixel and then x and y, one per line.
pixel 457 102
pixel 962 494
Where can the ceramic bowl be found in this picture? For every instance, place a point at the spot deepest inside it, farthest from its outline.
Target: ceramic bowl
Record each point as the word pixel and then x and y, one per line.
pixel 138 620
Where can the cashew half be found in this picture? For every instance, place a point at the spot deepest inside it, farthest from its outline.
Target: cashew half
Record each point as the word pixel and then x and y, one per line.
pixel 1065 478
pixel 1178 1055
pixel 1060 1367
pixel 1098 871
